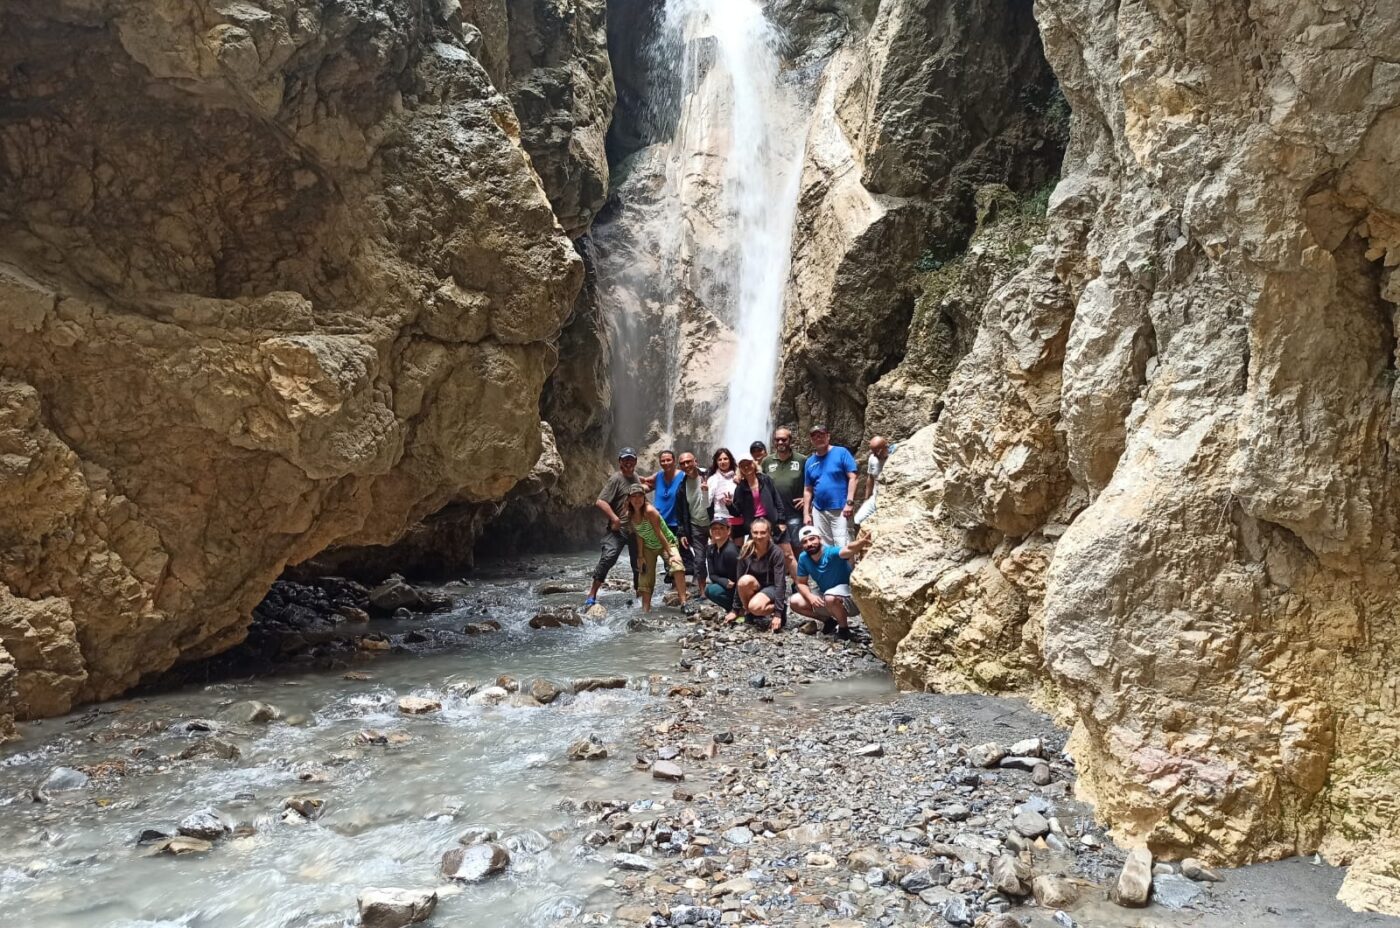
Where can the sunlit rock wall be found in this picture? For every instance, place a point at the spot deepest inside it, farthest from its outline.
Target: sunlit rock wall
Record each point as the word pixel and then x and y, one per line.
pixel 1167 454
pixel 273 276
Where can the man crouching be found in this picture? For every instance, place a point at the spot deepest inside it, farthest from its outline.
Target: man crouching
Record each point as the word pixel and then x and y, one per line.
pixel 829 568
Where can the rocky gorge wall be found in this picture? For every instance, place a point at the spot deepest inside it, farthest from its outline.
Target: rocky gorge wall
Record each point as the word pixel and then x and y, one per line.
pixel 273 277
pixel 1159 496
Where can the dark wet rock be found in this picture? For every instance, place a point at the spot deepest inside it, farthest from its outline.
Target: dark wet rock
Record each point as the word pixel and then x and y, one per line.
pixel 1176 892
pixel 308 807
pixel 956 911
pixel 475 863
pixel 1028 764
pixel 251 712
pixel 481 628
pixel 394 593
pixel 151 836
pixel 758 681
pixel 557 619
pixel 590 748
pixel 633 862
pixel 395 908
pixel 62 779
pixel 206 824
pixel 917 881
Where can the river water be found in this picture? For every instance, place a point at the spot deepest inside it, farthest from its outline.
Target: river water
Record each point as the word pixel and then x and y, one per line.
pixel 390 811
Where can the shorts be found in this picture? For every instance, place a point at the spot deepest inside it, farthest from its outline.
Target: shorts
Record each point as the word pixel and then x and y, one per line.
pixel 824 612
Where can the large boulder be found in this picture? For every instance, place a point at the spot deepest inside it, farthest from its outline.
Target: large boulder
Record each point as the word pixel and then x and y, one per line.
pixel 275 277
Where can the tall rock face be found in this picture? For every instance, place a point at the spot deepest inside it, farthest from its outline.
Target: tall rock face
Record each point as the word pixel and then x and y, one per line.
pixel 933 101
pixel 1159 492
pixel 273 276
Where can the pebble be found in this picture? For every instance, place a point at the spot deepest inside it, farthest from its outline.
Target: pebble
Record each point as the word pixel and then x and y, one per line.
pixel 588 684
pixel 545 691
pixel 205 824
pixel 1195 870
pixel 739 835
pixel 869 750
pixel 488 696
pixel 590 748
pixel 418 705
pixel 475 863
pixel 633 862
pixel 1041 775
pixel 183 844
pixel 395 908
pixel 986 755
pixel 666 770
pixel 1031 824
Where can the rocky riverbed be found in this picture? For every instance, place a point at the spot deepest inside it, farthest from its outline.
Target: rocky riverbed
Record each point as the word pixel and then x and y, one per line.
pixel 469 762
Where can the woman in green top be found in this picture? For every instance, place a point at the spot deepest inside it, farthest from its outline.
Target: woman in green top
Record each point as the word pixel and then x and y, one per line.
pixel 653 539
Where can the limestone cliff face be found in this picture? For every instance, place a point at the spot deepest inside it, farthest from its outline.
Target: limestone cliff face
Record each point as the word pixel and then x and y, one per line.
pixel 914 114
pixel 273 276
pixel 1159 491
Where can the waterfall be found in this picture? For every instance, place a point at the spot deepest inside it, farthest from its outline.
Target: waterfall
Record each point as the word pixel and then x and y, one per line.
pixel 694 266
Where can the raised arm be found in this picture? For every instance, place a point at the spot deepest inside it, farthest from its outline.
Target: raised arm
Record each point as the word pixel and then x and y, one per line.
pixel 857 547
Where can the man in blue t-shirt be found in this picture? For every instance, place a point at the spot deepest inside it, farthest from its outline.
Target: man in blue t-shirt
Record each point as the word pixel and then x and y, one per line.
pixel 828 568
pixel 830 494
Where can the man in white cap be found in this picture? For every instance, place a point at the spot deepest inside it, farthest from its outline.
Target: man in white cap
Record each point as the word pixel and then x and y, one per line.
pixel 828 568
pixel 612 503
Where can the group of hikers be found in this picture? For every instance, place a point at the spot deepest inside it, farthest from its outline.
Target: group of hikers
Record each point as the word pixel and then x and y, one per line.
pixel 743 528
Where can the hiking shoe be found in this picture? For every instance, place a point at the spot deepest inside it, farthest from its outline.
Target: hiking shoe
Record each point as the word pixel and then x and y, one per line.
pixel 829 627
pixel 590 601
pixel 846 634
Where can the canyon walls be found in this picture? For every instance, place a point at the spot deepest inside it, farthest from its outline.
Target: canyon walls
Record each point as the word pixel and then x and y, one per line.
pixel 916 113
pixel 273 277
pixel 1158 496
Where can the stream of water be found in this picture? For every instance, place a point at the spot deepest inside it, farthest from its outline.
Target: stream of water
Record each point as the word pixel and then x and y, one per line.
pixel 390 812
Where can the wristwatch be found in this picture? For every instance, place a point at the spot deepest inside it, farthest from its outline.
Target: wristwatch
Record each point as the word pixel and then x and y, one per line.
pixel 850 502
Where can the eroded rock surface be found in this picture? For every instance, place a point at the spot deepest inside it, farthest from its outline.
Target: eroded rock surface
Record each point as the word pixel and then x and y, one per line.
pixel 272 277
pixel 1162 468
pixel 912 117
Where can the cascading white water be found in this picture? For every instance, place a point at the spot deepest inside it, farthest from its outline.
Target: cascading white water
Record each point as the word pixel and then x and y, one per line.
pixel 762 169
pixel 694 266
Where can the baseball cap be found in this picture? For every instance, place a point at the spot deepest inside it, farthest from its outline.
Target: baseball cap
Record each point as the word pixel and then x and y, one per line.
pixel 807 532
pixel 818 427
pixel 636 488
pixel 627 453
pixel 757 446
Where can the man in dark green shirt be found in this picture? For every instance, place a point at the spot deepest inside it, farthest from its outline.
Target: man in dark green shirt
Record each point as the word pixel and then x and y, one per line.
pixel 784 468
